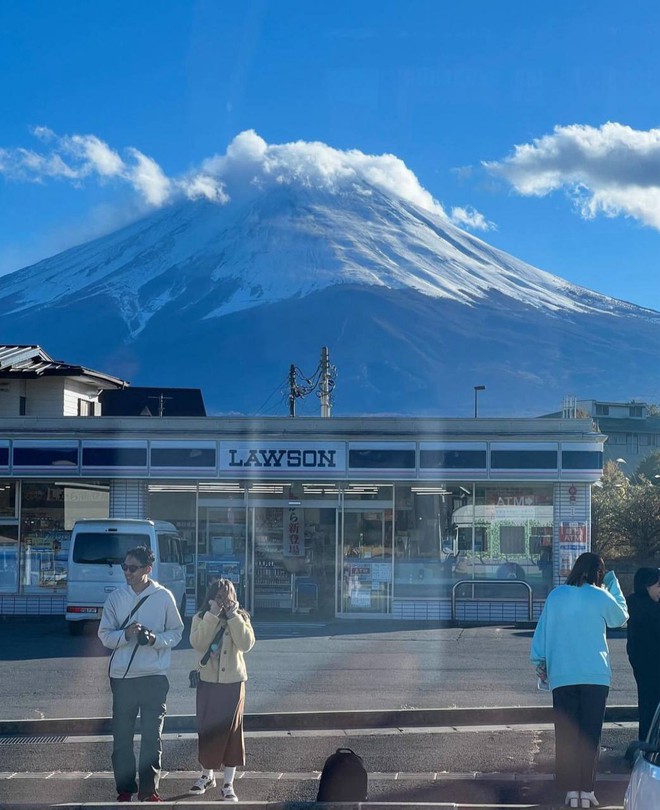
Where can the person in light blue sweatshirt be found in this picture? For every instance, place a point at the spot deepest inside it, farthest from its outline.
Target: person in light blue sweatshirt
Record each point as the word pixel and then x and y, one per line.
pixel 570 652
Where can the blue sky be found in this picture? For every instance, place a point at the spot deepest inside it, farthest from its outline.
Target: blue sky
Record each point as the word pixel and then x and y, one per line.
pixel 446 87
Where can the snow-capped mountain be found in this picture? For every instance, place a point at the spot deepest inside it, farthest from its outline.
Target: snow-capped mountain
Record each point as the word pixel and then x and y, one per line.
pixel 415 311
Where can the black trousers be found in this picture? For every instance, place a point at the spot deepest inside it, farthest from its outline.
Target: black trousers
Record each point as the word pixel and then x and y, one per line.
pixel 578 715
pixel 129 696
pixel 648 697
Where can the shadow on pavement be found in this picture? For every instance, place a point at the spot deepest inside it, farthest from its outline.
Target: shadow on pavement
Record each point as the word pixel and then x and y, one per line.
pixel 24 638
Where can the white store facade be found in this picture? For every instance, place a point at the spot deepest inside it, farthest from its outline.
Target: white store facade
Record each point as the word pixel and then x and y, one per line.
pixel 408 518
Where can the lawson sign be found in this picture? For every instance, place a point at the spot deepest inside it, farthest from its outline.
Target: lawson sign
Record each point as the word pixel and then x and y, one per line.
pixel 283 457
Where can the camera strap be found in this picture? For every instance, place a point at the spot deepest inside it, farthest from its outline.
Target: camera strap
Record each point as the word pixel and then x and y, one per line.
pixel 217 639
pixel 122 627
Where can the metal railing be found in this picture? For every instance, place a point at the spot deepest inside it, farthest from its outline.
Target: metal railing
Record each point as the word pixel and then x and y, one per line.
pixel 530 601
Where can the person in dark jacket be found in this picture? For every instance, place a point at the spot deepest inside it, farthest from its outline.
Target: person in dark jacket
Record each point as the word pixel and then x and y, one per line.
pixel 643 646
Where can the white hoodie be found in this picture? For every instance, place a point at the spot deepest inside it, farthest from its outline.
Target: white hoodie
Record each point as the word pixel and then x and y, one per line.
pixel 158 614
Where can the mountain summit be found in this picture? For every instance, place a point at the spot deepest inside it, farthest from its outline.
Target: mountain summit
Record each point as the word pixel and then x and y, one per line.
pixel 225 294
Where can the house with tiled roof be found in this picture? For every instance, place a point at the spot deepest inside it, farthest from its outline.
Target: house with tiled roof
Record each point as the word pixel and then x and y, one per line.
pixel 32 383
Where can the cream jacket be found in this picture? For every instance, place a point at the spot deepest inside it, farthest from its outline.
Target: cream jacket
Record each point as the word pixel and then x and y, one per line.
pixel 229 665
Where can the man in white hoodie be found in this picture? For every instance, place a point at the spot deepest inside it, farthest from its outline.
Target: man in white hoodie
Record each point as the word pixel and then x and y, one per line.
pixel 141 625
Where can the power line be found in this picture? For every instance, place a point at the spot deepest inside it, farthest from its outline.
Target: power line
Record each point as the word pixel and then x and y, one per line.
pixel 281 387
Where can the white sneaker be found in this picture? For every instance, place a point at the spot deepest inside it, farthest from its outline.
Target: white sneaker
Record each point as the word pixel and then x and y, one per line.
pixel 202 784
pixel 228 793
pixel 588 799
pixel 572 799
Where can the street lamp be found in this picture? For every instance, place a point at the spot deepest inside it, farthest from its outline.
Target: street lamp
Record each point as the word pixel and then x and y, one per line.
pixel 477 388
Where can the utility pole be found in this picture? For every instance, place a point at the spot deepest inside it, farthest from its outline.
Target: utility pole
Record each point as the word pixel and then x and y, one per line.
pixel 322 381
pixel 325 383
pixel 292 390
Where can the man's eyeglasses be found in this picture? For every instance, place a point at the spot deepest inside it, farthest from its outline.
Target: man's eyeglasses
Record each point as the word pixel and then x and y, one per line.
pixel 131 568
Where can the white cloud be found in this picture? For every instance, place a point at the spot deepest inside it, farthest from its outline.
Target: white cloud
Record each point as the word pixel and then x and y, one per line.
pixel 469 217
pixel 148 178
pixel 248 166
pixel 78 158
pixel 204 186
pixel 43 133
pixel 95 155
pixel 250 162
pixel 612 170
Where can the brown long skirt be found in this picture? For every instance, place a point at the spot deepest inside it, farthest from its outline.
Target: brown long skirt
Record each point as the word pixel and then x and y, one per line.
pixel 220 724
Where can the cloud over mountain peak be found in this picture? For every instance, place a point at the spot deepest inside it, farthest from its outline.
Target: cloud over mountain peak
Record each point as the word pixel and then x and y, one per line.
pixel 248 166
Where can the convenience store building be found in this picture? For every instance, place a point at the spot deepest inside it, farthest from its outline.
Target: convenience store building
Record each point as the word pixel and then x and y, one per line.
pixel 373 516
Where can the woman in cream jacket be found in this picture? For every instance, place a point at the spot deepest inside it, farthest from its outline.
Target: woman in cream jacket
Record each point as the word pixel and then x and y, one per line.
pixel 221 633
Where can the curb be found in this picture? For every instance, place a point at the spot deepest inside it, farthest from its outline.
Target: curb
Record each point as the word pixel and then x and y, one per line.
pixel 323 720
pixel 311 805
pixel 299 805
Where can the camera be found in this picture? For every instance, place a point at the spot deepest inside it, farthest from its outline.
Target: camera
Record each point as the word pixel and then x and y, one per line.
pixel 145 637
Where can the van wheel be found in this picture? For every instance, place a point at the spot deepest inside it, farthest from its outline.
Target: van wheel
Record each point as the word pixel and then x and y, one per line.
pixel 76 628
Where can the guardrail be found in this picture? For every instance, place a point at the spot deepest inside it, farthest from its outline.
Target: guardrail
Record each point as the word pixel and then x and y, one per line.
pixel 530 601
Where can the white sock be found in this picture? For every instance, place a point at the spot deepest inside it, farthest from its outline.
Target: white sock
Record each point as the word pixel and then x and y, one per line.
pixel 207 772
pixel 229 776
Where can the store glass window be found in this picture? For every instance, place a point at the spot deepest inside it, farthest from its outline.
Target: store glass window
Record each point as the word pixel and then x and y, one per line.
pixel 452 459
pixel 8 558
pixel 512 538
pixel 444 534
pixel 7 499
pixel 427 538
pixel 48 512
pixel 523 459
pixel 292 535
pixel 381 459
pixel 222 537
pixel 176 502
pixel 198 457
pixel 581 460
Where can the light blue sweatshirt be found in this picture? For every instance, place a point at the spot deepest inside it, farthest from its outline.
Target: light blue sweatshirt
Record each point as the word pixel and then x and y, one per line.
pixel 570 635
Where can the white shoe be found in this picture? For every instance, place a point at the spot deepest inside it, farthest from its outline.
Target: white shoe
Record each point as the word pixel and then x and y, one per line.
pixel 228 793
pixel 588 799
pixel 202 784
pixel 572 799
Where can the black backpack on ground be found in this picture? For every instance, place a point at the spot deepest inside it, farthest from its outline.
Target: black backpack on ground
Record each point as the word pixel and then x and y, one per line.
pixel 343 778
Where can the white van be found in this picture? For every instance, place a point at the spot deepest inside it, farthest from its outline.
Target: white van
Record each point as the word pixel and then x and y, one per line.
pixel 96 552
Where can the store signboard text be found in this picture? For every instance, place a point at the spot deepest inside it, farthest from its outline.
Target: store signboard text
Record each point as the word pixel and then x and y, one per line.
pixel 283 456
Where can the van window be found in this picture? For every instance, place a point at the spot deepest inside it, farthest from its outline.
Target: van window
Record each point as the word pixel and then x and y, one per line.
pixel 169 548
pixel 103 548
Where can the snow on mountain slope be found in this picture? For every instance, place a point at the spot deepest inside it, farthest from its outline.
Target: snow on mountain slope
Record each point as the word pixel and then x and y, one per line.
pixel 284 243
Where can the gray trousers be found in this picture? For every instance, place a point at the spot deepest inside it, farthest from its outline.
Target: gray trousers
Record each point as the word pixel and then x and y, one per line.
pixel 147 696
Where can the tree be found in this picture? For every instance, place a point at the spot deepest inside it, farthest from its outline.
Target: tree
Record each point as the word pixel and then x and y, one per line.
pixel 625 516
pixel 649 468
pixel 607 506
pixel 640 519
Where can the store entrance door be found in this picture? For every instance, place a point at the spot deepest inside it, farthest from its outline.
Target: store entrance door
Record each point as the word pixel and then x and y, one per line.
pixel 292 551
pixel 366 554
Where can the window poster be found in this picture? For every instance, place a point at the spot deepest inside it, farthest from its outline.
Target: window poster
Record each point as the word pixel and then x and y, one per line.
pixel 572 543
pixel 294 538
